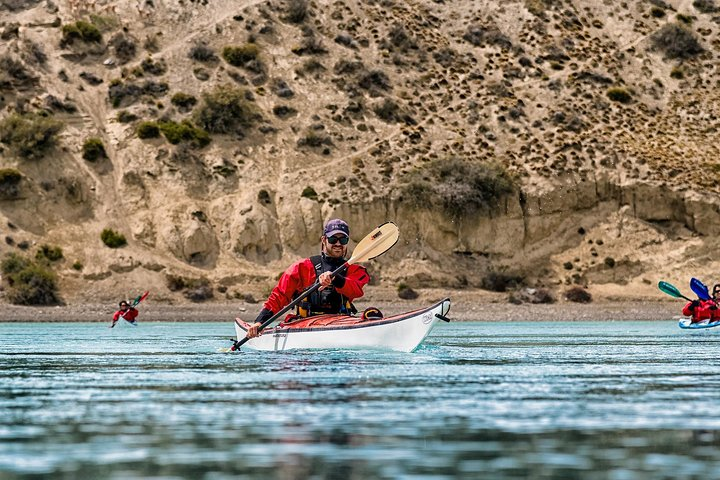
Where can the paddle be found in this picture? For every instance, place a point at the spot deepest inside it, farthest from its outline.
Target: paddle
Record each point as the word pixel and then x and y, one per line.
pixel 671 290
pixel 700 289
pixel 135 302
pixel 373 245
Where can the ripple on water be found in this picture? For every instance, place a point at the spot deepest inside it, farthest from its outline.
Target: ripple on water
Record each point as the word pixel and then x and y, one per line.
pixel 521 400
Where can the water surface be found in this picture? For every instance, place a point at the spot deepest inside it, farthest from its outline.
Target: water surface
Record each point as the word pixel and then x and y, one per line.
pixel 605 400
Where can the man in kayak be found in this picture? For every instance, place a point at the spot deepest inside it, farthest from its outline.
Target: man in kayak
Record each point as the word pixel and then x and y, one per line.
pixel 126 311
pixel 699 310
pixel 335 294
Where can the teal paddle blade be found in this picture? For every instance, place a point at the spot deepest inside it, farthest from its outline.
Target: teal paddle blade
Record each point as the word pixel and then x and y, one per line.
pixel 671 290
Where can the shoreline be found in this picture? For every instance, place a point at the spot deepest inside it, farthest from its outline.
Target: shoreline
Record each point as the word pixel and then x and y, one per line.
pixel 461 310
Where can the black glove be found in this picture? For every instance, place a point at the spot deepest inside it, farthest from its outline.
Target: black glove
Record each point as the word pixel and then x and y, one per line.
pixel 338 281
pixel 694 304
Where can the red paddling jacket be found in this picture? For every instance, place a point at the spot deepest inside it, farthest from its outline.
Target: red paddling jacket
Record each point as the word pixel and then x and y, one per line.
pixel 130 314
pixel 347 285
pixel 701 310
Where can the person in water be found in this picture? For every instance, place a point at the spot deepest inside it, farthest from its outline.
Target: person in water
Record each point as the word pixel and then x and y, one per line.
pixel 335 294
pixel 699 310
pixel 126 311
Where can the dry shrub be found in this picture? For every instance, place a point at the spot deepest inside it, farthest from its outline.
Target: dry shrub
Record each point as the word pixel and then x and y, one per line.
pixel 29 135
pixel 578 295
pixel 226 110
pixel 296 11
pixel 29 283
pixel 460 186
pixel 202 53
pixel 531 295
pixel 676 41
pixel 9 183
pixel 406 293
pixel 500 282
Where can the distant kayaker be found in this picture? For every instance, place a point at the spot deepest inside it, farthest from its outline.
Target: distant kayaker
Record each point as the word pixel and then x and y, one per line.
pixel 699 310
pixel 335 295
pixel 126 311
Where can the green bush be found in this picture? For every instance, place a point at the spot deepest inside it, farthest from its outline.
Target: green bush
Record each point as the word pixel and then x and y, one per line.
pixel 9 183
pixel 676 41
pixel 49 252
pixel 10 175
pixel 184 132
pixel 80 30
pixel 618 94
pixel 77 265
pixel 154 67
pixel 148 130
pixel 124 116
pixel 657 12
pixel 13 263
pixel 29 136
pixel 28 282
pixel 93 149
pixel 309 192
pixel 183 101
pixel 460 187
pixel 677 73
pixel 112 239
pixel 226 110
pixel 239 56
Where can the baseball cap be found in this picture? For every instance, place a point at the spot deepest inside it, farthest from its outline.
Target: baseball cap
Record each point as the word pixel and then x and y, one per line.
pixel 335 226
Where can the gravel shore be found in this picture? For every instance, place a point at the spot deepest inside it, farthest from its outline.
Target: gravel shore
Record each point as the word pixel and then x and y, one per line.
pixel 463 309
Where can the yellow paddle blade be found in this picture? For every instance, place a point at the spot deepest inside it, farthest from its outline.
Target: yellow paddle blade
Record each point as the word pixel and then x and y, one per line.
pixel 376 243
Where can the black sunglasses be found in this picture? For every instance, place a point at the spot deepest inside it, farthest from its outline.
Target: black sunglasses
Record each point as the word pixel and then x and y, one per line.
pixel 342 240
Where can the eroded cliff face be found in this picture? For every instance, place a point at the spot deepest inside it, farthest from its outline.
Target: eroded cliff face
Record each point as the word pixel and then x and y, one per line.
pixel 339 103
pixel 240 242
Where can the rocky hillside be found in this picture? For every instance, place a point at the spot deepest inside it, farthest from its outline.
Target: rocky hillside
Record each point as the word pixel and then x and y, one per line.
pixel 545 143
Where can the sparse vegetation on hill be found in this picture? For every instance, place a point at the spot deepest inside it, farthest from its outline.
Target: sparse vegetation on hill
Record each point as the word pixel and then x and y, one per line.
pixel 676 41
pixel 226 110
pixel 80 30
pixel 513 122
pixel 29 283
pixel 30 135
pixel 50 253
pixel 459 186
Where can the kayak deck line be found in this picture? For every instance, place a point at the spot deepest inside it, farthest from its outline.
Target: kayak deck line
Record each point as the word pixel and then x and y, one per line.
pixel 358 322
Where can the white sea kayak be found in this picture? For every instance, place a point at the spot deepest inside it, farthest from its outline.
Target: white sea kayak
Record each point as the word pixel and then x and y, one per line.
pixel 404 332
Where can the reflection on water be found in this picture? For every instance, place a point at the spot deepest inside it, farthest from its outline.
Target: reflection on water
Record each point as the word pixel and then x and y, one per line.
pixel 523 400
